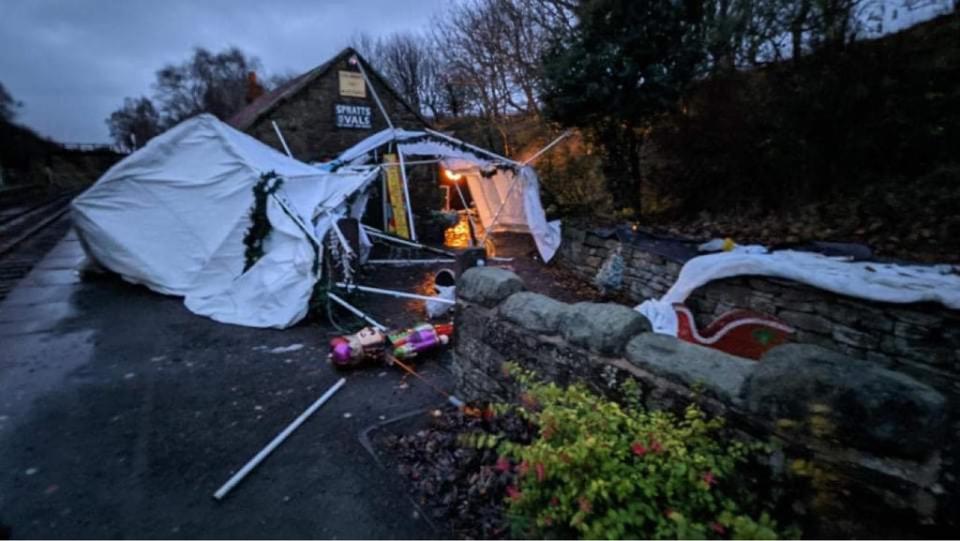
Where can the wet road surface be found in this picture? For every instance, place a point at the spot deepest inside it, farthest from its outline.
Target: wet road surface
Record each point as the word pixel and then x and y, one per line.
pixel 121 413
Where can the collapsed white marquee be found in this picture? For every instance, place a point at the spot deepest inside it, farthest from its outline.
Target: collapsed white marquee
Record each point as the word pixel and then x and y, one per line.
pixel 507 193
pixel 173 216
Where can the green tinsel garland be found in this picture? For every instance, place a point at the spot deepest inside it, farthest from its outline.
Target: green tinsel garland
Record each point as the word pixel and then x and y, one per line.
pixel 260 225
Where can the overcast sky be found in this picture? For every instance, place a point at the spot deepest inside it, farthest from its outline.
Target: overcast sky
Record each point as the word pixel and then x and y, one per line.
pixel 71 62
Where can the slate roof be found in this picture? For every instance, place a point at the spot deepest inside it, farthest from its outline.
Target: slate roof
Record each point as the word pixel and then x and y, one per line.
pixel 246 117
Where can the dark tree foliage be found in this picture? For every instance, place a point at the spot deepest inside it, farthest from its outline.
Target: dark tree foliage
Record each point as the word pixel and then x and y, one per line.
pixel 8 105
pixel 215 83
pixel 827 125
pixel 626 62
pixel 132 125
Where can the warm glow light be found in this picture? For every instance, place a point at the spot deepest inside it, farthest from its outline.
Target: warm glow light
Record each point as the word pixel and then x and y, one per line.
pixel 458 236
pixel 451 175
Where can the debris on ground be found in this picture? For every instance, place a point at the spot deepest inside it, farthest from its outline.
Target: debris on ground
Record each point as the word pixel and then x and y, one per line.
pixel 287 349
pixel 372 344
pixel 455 471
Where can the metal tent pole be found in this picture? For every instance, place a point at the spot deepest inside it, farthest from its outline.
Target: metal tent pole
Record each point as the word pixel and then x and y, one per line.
pixel 466 208
pixel 407 262
pixel 374 232
pixel 493 222
pixel 406 195
pixel 282 140
pixel 256 460
pixel 559 138
pixel 373 91
pixel 472 147
pixel 356 311
pixel 392 293
pixel 517 178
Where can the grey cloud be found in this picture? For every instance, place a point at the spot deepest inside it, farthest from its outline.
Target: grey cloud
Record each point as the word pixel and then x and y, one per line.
pixel 71 62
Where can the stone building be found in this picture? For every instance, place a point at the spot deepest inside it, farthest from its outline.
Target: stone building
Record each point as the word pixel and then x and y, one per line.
pixel 326 110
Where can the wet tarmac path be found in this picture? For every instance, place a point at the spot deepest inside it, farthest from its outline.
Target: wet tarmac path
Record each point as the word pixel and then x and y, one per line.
pixel 121 413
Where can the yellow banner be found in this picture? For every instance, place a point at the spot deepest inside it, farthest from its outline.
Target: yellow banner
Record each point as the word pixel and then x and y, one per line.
pixel 398 221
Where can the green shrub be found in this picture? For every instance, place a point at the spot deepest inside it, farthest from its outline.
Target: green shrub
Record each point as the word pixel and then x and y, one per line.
pixel 602 470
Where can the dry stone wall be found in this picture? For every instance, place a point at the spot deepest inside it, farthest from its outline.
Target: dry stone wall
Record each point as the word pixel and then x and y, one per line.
pixel 863 450
pixel 921 340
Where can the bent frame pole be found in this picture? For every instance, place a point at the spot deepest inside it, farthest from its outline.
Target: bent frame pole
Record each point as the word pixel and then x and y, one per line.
pixel 406 195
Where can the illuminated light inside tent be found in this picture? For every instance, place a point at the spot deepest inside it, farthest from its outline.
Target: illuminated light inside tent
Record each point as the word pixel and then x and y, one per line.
pixel 452 175
pixel 458 235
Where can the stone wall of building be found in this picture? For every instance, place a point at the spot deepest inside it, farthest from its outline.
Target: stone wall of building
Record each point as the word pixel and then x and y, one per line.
pixel 862 450
pixel 307 118
pixel 921 339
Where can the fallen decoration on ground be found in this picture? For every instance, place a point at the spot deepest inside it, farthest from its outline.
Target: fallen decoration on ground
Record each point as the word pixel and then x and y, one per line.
pixel 372 344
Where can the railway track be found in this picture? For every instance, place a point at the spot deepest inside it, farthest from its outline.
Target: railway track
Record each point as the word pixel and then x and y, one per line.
pixel 30 225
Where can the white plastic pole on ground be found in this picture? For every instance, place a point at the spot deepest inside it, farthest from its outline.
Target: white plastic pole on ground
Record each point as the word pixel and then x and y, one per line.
pixel 406 195
pixel 390 292
pixel 355 310
pixel 282 140
pixel 256 460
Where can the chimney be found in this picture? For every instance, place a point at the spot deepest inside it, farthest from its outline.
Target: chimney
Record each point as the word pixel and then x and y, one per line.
pixel 254 88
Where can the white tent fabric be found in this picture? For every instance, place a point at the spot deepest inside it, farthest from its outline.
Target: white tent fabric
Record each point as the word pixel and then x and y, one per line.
pixel 357 154
pixel 545 234
pixel 490 193
pixel 522 210
pixel 173 215
pixel 882 282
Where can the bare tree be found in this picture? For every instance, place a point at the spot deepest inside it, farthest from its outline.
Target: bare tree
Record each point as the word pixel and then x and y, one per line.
pixel 482 58
pixel 213 83
pixel 404 59
pixel 217 83
pixel 132 125
pixel 413 68
pixel 491 51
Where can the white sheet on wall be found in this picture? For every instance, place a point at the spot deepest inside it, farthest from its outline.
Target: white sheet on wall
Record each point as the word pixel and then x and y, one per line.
pixel 883 282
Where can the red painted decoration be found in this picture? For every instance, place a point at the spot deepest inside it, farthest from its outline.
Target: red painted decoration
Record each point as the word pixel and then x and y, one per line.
pixel 743 333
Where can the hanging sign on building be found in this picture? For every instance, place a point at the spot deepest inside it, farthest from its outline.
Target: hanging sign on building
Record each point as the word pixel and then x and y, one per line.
pixel 351 84
pixel 353 116
pixel 397 223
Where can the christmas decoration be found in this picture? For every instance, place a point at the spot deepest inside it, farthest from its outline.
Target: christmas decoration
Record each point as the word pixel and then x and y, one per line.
pixel 260 225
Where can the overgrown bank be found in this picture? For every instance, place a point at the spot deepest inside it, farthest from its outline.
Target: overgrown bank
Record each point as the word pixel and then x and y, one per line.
pixel 851 145
pixel 858 145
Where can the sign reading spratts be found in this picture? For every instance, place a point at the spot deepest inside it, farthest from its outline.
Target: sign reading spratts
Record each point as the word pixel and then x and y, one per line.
pixel 352 84
pixel 353 116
